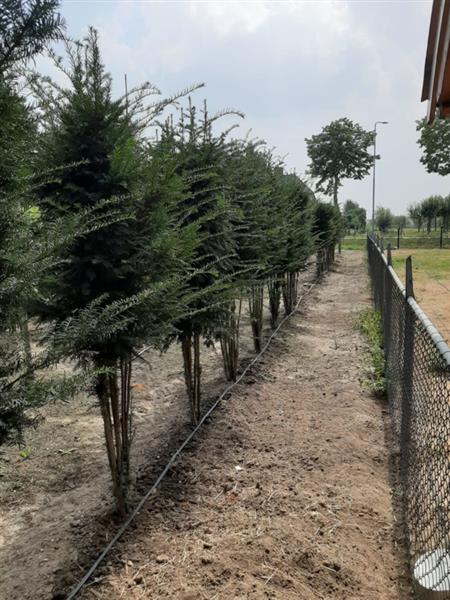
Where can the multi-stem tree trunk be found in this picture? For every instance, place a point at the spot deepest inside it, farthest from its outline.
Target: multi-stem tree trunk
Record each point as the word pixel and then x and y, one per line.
pixel 26 339
pixel 190 346
pixel 320 261
pixel 290 291
pixel 114 394
pixel 274 288
pixel 256 305
pixel 229 342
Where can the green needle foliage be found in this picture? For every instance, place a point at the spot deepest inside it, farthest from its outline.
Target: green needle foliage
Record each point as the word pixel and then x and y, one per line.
pixel 26 27
pixel 27 251
pixel 111 239
pixel 120 280
pixel 201 156
pixel 327 230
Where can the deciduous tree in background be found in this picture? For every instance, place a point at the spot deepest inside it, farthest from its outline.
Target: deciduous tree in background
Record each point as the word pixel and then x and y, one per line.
pixel 354 216
pixel 339 152
pixel 415 214
pixel 431 209
pixel 444 212
pixel 434 139
pixel 383 219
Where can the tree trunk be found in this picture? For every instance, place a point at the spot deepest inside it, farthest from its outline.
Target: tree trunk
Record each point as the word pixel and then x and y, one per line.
pixel 116 410
pixel 25 333
pixel 190 346
pixel 335 192
pixel 256 305
pixel 229 342
pixel 274 289
pixel 290 290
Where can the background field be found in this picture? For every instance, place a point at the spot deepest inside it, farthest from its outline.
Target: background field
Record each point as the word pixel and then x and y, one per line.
pixel 410 238
pixel 431 270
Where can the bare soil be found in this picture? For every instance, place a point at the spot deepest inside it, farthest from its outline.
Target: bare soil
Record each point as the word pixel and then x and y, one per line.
pixel 286 493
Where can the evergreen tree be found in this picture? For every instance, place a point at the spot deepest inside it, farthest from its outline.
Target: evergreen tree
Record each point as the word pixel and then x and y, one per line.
pixel 326 229
pixel 202 162
pixel 26 27
pixel 126 273
pixel 26 253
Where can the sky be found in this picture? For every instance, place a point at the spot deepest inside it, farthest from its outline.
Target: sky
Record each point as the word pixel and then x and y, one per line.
pixel 290 66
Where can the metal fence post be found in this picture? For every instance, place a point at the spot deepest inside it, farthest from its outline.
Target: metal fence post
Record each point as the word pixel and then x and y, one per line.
pixel 441 238
pixel 388 306
pixel 398 237
pixel 408 372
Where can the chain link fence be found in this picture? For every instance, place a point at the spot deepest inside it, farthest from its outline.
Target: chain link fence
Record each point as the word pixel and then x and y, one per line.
pixel 418 389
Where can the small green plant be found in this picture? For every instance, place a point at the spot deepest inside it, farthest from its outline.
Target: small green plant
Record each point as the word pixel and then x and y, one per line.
pixel 25 453
pixel 369 324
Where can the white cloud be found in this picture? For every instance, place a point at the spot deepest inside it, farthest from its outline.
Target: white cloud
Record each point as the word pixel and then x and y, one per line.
pixel 290 66
pixel 232 17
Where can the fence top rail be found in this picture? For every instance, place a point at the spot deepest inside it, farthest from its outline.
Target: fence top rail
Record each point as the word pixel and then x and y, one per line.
pixel 436 338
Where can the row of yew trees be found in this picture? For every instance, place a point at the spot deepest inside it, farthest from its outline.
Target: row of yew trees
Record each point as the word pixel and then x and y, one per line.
pixel 131 222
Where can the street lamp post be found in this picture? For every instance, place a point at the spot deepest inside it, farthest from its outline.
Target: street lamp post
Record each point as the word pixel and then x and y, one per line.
pixel 374 161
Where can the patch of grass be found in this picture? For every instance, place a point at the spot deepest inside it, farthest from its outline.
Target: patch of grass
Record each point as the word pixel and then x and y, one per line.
pixel 410 238
pixel 354 242
pixel 429 263
pixel 369 324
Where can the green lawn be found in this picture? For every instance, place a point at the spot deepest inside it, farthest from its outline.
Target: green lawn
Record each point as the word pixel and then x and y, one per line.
pixel 410 238
pixel 431 274
pixel 426 263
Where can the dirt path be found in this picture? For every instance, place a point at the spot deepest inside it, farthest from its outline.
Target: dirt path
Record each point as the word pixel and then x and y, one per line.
pixel 286 493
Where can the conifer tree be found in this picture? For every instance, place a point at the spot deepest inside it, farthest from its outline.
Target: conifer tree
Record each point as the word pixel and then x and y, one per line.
pixel 127 270
pixel 202 162
pixel 25 28
pixel 326 229
pixel 245 173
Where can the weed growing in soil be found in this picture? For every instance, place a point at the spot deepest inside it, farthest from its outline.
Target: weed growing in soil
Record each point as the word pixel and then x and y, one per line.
pixel 369 324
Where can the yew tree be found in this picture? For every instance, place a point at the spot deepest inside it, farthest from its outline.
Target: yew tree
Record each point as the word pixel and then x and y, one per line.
pixel 26 252
pixel 126 276
pixel 202 157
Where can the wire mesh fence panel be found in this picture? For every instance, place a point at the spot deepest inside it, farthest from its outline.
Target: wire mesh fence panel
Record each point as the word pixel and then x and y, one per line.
pixel 418 389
